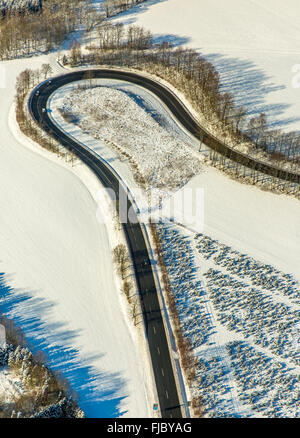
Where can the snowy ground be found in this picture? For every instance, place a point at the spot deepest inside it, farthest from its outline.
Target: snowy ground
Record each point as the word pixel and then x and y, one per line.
pixel 263 227
pixel 252 43
pixel 57 276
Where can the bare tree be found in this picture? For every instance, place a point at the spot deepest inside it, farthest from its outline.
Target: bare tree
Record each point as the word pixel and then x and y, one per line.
pixel 257 128
pixel 121 259
pixel 46 70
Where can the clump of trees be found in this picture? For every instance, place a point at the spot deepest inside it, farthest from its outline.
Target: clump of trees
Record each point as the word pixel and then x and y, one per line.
pixel 19 6
pixel 24 31
pixel 44 393
pixel 111 37
pixel 42 390
pixel 32 26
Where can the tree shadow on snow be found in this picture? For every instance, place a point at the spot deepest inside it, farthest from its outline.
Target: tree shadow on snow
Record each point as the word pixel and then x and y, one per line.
pixel 175 40
pixel 135 10
pixel 250 86
pixel 97 392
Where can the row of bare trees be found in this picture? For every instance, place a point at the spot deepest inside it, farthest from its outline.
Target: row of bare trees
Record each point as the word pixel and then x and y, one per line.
pixel 190 72
pixel 25 82
pixel 187 357
pixel 114 7
pixel 8 7
pixel 114 36
pixel 41 387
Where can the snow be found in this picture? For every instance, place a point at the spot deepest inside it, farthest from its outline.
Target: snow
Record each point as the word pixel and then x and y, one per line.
pixel 58 280
pixel 10 386
pixel 252 43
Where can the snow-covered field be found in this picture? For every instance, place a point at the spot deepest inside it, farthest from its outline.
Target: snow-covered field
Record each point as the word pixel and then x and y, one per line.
pixel 253 44
pixel 57 277
pixel 164 159
pixel 19 4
